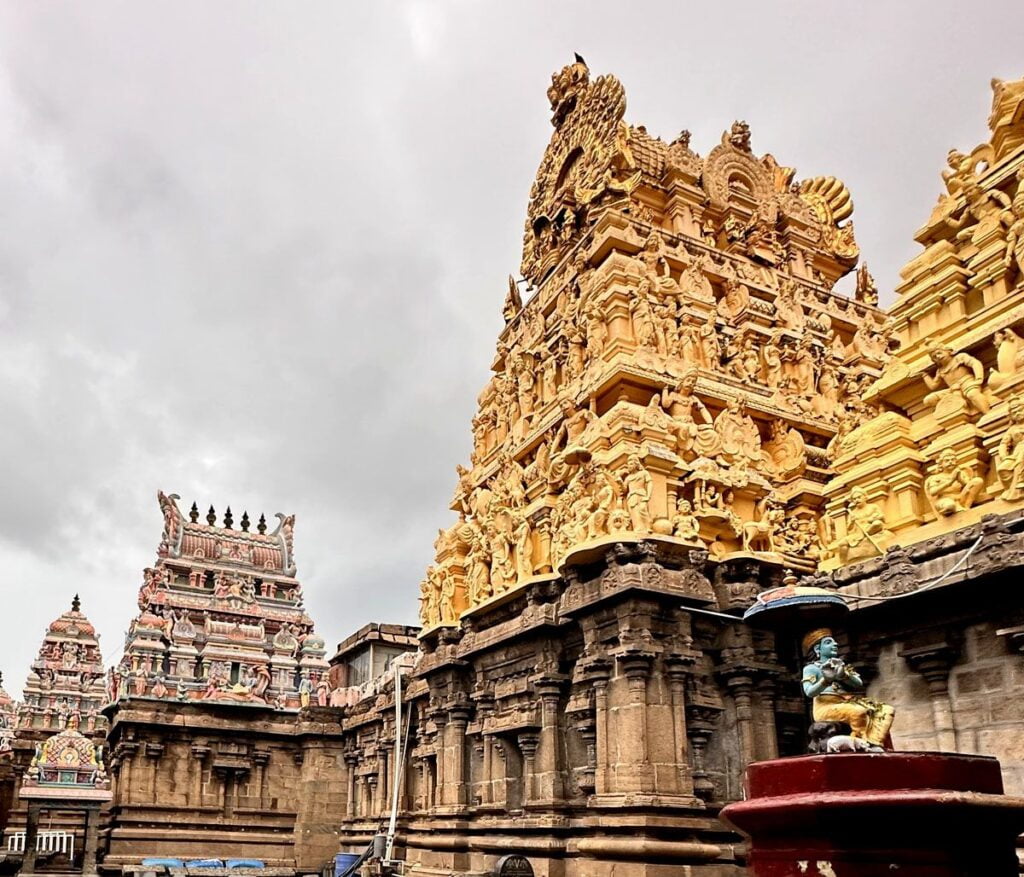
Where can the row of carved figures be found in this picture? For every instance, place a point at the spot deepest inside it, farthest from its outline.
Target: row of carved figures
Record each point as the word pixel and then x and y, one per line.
pixel 803 377
pixel 950 488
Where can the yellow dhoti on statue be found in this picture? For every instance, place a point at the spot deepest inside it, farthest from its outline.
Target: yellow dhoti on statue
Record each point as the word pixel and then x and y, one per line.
pixel 868 719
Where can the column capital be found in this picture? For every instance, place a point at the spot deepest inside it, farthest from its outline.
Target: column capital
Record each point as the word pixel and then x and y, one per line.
pixel 933 662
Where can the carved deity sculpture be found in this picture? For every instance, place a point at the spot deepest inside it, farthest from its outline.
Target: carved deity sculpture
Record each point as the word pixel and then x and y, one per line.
pixel 744 359
pixel 785 452
pixel 788 309
pixel 835 687
pixel 734 303
pixel 639 488
pixel 956 374
pixel 865 291
pixel 685 524
pixel 1009 357
pixel 738 435
pixel 644 326
pixel 951 488
pixel 803 366
pixel 771 362
pixel 865 528
pixel 1014 257
pixel 597 330
pixel 709 352
pixel 606 492
pixel 656 266
pixel 523 538
pixel 985 209
pixel 1009 455
pixel 690 417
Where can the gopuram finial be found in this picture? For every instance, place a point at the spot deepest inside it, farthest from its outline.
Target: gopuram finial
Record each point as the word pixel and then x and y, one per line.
pixel 228 519
pixel 261 527
pixel 193 513
pixel 76 604
pixel 245 522
pixel 211 517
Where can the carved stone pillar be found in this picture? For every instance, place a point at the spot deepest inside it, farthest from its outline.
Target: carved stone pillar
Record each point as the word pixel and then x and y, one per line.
pixel 598 673
pixel 678 668
pixel 90 842
pixel 351 761
pixel 200 752
pixel 740 686
pixel 126 751
pixel 484 701
pixel 701 724
pixel 632 770
pixel 528 743
pixel 933 662
pixel 453 755
pixel 28 862
pixel 548 785
pixel 586 727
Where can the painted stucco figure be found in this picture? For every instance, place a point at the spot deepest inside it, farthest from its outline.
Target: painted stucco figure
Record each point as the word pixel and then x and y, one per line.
pixel 835 687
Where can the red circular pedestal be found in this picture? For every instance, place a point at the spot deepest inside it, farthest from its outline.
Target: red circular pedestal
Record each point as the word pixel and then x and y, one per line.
pixel 905 814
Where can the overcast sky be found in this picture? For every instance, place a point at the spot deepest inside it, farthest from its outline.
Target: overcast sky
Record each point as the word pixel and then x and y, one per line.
pixel 255 253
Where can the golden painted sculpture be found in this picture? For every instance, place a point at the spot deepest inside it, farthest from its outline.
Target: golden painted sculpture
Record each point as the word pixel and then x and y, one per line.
pixel 835 687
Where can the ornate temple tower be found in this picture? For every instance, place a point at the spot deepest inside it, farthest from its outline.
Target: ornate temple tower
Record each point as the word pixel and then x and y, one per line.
pixel 221 617
pixel 926 512
pixel 215 749
pixel 64 684
pixel 66 678
pixel 654 444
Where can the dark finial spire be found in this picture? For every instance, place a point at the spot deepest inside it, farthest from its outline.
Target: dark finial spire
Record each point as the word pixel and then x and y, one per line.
pixel 228 520
pixel 579 59
pixel 193 513
pixel 76 604
pixel 211 517
pixel 261 527
pixel 245 522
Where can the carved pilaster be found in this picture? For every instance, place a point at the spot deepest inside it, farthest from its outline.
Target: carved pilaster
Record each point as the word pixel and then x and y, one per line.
pixel 934 662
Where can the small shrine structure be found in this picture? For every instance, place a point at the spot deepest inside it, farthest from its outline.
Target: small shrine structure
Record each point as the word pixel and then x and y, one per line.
pixel 65 774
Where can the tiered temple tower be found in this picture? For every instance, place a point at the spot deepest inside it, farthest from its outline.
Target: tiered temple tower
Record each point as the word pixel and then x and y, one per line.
pixel 64 684
pixel 222 617
pixel 925 515
pixel 217 749
pixel 655 442
pixel 66 678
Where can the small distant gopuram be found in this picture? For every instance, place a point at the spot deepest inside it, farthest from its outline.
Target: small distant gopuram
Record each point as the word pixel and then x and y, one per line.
pixel 65 685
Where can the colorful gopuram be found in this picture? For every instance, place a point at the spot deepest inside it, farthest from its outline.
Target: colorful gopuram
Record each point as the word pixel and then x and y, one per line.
pixel 221 617
pixel 65 684
pixel 217 747
pixel 65 679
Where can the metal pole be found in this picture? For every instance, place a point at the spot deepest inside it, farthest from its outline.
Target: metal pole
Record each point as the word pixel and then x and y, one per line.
pixel 398 764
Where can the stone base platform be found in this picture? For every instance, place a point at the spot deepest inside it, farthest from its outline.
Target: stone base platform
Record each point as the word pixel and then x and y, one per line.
pixel 918 814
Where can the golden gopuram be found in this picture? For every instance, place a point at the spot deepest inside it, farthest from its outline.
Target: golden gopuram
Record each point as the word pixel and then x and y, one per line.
pixel 683 414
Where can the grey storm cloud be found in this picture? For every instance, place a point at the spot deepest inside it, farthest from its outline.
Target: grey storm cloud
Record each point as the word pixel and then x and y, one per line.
pixel 254 254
